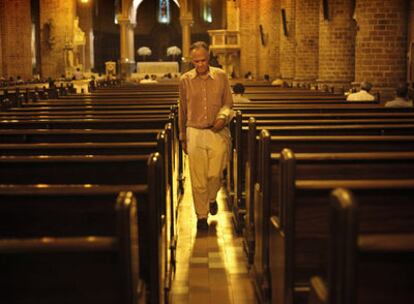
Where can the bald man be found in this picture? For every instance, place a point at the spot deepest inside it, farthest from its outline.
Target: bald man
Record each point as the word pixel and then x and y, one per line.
pixel 204 113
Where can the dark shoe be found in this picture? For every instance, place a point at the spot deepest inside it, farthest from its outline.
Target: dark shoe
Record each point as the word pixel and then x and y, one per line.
pixel 202 224
pixel 213 208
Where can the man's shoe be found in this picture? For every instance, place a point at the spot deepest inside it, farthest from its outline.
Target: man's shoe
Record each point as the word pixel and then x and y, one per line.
pixel 213 208
pixel 202 224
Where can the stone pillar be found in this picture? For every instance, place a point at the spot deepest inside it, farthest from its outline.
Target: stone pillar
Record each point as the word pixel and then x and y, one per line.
pixel 249 37
pixel 307 40
pixel 86 24
pixel 186 21
pixel 16 54
pixel 410 46
pixel 336 45
pixel 287 39
pixel 233 15
pixel 381 45
pixel 56 27
pixel 1 38
pixel 127 60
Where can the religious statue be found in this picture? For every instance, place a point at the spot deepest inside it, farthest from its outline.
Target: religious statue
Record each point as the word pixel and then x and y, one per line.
pixel 78 34
pixel 79 42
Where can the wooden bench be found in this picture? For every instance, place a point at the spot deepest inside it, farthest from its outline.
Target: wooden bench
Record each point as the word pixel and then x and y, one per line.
pixel 244 151
pixel 297 249
pixel 125 171
pixel 70 242
pixel 364 266
pixel 77 135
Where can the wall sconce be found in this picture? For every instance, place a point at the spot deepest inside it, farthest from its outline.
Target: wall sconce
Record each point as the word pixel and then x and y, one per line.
pixel 262 35
pixel 284 22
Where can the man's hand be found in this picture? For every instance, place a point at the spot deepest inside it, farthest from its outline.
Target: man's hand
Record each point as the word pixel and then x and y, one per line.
pixel 219 124
pixel 184 146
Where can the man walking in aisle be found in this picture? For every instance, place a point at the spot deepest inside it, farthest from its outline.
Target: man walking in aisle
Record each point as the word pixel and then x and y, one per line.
pixel 205 110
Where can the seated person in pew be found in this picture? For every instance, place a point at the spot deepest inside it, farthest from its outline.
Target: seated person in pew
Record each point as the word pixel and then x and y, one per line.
pixel 204 112
pixel 401 100
pixel 364 93
pixel 238 91
pixel 148 79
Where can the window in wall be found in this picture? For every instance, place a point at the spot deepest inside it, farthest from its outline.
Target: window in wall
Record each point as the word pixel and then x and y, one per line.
pixel 206 11
pixel 164 11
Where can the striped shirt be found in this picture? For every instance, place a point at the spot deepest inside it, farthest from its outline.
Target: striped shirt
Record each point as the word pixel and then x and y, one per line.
pixel 202 101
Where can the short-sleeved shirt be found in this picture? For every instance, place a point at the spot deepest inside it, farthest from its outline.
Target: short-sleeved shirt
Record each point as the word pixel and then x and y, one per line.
pixel 203 100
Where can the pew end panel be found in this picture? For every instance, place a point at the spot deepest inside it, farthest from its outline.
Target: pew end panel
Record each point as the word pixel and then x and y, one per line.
pixel 82 269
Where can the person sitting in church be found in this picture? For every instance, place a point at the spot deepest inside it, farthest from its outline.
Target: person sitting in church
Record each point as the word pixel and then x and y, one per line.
pixel 248 76
pixel 401 100
pixel 77 75
pixel 363 94
pixel 19 80
pixel 148 79
pixel 238 91
pixel 278 82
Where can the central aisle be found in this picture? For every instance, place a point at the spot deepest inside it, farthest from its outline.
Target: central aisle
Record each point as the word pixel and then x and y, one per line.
pixel 211 266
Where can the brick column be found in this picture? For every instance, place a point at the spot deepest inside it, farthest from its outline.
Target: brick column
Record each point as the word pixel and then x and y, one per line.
pixel 15 23
pixel 85 13
pixel 288 40
pixel 1 37
pixel 56 27
pixel 307 40
pixel 249 37
pixel 381 45
pixel 269 18
pixel 336 44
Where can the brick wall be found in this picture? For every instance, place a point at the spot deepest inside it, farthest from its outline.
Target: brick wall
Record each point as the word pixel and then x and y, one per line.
pixel 60 15
pixel 15 26
pixel 381 42
pixel 1 38
pixel 249 37
pixel 288 40
pixel 268 51
pixel 307 40
pixel 336 44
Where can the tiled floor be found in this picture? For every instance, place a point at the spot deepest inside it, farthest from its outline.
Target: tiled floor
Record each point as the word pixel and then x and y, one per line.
pixel 211 265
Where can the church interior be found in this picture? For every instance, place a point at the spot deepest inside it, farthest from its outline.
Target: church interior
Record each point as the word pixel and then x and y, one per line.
pixel 317 191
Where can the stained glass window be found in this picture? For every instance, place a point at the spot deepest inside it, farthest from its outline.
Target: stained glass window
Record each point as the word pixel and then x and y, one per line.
pixel 164 11
pixel 206 11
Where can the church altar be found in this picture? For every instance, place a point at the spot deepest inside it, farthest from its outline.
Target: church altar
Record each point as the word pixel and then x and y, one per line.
pixel 157 67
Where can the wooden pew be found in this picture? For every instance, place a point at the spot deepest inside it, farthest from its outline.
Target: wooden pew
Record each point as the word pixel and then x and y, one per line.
pixel 77 135
pixel 122 170
pixel 296 246
pixel 364 266
pixel 74 243
pixel 90 112
pixel 315 115
pixel 244 151
pixel 74 148
pixel 101 123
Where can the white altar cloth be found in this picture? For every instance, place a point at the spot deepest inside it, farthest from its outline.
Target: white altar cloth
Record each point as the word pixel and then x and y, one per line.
pixel 157 67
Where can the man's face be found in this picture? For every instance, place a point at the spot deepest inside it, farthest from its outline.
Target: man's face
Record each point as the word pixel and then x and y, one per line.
pixel 199 58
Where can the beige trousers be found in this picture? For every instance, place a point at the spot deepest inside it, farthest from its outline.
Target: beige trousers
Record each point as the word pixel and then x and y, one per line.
pixel 207 154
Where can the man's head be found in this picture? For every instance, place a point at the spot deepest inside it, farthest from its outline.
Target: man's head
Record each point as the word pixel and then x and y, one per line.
pixel 200 56
pixel 366 86
pixel 238 88
pixel 402 90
